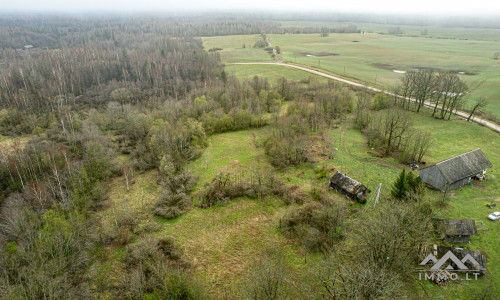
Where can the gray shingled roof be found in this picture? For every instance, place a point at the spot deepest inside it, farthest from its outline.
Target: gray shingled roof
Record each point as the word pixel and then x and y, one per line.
pixel 455 227
pixel 345 182
pixel 479 257
pixel 463 165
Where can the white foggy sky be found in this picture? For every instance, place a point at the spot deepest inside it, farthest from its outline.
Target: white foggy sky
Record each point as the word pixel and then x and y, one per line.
pixel 444 7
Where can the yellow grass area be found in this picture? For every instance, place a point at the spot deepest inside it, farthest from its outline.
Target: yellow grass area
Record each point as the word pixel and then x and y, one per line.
pixel 139 199
pixel 224 241
pixel 7 143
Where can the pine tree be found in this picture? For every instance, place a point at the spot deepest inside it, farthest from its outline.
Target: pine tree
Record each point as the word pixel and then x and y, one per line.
pixel 400 186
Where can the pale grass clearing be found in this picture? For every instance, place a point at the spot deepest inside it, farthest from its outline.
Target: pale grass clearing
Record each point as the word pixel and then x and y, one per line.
pixel 222 242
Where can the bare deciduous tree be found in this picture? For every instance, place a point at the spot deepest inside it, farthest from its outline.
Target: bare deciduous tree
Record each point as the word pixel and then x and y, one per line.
pixel 266 281
pixel 448 94
pixel 478 105
pixel 424 83
pixel 396 124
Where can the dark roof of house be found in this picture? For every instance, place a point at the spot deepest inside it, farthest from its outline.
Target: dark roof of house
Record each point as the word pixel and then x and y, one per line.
pixel 455 227
pixel 463 165
pixel 346 183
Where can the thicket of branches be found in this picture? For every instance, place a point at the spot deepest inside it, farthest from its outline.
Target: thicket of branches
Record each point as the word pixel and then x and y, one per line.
pixel 389 128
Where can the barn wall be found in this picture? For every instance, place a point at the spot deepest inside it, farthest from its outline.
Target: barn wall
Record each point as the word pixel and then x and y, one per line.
pixel 463 239
pixel 432 176
pixel 459 183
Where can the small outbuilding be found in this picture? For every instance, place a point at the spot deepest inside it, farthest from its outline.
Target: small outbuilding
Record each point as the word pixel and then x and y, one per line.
pixel 28 47
pixel 347 186
pixel 477 265
pixel 455 231
pixel 457 171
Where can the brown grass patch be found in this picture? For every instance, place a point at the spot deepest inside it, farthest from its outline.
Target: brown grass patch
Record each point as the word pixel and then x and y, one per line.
pixel 139 200
pixel 222 242
pixel 318 150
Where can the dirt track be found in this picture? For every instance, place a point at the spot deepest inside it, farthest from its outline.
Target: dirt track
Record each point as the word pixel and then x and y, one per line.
pixel 462 114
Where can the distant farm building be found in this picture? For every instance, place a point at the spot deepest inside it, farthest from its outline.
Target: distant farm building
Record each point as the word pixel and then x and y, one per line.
pixel 347 186
pixel 27 47
pixel 455 231
pixel 457 171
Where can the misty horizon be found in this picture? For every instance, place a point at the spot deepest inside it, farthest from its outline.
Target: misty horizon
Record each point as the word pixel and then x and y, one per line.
pixel 425 8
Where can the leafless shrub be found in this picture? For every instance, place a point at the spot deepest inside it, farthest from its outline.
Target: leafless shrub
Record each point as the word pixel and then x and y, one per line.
pixel 317 226
pixel 256 185
pixel 162 280
pixel 123 236
pixel 151 249
pixel 393 236
pixel 267 280
pixel 358 280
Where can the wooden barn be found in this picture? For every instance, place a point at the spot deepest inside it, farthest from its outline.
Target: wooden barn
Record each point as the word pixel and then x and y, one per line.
pixel 479 257
pixel 457 171
pixel 347 186
pixel 455 231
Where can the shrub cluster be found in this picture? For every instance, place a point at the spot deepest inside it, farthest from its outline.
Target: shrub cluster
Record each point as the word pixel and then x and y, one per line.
pixel 225 187
pixel 150 250
pixel 316 225
pixel 174 199
pixel 287 142
pixel 157 271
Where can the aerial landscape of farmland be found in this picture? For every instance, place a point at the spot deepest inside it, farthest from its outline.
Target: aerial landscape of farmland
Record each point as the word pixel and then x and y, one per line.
pixel 219 153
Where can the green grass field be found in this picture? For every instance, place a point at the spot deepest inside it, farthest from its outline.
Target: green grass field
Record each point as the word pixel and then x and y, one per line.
pixel 483 34
pixel 271 72
pixel 372 57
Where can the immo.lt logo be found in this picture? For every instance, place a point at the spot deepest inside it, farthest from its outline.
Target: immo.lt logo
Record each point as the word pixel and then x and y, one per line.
pixel 452 265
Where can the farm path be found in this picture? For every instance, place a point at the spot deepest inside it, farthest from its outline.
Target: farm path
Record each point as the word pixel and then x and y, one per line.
pixel 462 114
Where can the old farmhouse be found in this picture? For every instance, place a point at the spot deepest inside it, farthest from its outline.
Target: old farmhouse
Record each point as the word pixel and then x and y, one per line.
pixel 455 231
pixel 347 186
pixel 457 171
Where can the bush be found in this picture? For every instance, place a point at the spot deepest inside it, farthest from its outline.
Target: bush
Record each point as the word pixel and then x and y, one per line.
pixel 393 235
pixel 151 249
pixel 323 171
pixel 125 218
pixel 167 246
pixel 358 280
pixel 317 226
pixel 225 187
pixel 260 44
pixel 286 144
pixel 123 236
pixel 162 280
pixel 290 194
pixel 267 280
pixel 381 101
pixel 174 200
